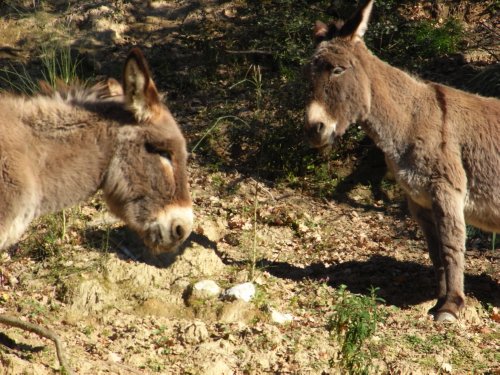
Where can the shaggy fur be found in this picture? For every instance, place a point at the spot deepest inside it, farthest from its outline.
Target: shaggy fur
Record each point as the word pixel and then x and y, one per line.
pixel 60 147
pixel 442 144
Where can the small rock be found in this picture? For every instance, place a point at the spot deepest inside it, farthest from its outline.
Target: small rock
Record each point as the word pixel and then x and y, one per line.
pixel 244 292
pixel 447 368
pixel 213 230
pixel 230 13
pixel 13 281
pixel 280 318
pixel 303 228
pixel 205 289
pixel 195 333
pixel 495 315
pixel 231 239
pixel 113 357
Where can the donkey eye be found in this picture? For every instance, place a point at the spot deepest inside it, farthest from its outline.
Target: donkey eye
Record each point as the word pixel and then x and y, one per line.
pixel 165 155
pixel 337 70
pixel 152 149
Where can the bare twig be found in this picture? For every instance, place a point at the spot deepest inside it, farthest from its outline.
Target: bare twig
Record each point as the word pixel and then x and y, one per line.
pixel 264 189
pixel 492 53
pixel 285 196
pixel 254 247
pixel 493 31
pixel 40 331
pixel 250 52
pixel 9 52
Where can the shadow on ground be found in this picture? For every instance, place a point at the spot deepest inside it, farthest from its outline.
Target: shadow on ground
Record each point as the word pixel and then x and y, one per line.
pixel 399 283
pixel 128 245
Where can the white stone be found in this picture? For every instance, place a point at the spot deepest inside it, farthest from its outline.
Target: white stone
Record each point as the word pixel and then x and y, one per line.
pixel 113 357
pixel 244 292
pixel 280 318
pixel 447 367
pixel 206 289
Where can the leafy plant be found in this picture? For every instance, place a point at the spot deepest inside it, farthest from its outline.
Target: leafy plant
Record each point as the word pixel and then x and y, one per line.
pixel 354 321
pixel 290 46
pixel 433 38
pixel 255 80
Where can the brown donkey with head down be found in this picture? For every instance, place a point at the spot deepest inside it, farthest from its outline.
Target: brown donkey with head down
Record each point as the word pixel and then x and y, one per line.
pixel 59 148
pixel 442 144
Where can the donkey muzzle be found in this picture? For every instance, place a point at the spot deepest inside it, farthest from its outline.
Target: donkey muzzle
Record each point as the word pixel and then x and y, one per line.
pixel 320 126
pixel 170 228
pixel 314 133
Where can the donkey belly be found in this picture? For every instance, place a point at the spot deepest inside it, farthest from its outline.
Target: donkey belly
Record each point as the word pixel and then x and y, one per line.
pixel 483 213
pixel 480 210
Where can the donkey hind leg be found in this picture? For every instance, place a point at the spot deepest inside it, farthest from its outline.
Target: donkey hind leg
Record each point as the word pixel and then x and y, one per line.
pixel 448 213
pixel 426 222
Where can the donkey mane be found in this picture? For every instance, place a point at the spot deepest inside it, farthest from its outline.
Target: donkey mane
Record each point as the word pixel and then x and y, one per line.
pixel 49 112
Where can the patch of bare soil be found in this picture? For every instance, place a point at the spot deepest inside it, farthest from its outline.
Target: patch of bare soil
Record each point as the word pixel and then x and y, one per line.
pixel 120 311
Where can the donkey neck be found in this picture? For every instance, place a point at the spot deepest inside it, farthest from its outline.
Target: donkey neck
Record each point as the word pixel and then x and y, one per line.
pixel 397 99
pixel 72 148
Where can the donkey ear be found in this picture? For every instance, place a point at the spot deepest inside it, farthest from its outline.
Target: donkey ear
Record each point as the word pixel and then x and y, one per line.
pixel 141 95
pixel 114 87
pixel 107 89
pixel 320 32
pixel 45 88
pixel 356 26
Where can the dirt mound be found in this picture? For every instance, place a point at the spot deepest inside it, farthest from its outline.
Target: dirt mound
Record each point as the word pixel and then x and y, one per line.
pixel 134 287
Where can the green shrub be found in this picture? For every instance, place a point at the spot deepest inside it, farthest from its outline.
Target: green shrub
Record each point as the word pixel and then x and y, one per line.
pixel 434 39
pixel 354 321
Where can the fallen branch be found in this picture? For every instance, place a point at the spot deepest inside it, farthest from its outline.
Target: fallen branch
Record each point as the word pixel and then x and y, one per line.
pixel 249 52
pixel 9 52
pixel 40 331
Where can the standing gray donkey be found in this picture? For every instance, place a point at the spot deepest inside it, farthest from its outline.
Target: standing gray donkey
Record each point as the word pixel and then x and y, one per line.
pixel 442 144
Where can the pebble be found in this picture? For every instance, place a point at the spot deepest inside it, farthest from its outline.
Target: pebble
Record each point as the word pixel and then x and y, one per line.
pixel 206 289
pixel 244 292
pixel 13 281
pixel 280 318
pixel 113 357
pixel 195 333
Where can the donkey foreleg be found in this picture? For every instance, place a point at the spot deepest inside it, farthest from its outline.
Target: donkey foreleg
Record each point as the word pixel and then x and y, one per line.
pixel 426 222
pixel 15 220
pixel 448 213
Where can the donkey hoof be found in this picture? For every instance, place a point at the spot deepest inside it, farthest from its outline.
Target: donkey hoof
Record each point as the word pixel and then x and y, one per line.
pixel 445 317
